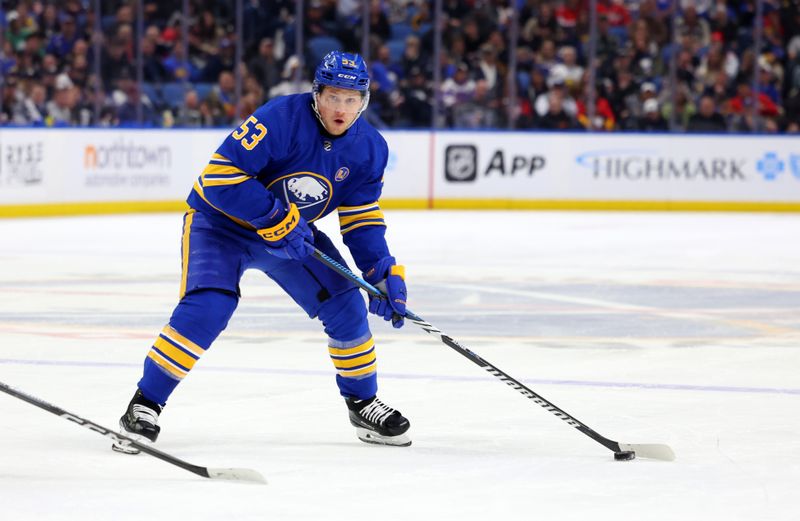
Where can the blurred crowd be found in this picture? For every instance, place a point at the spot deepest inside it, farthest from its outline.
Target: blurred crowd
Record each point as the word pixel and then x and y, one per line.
pixel 659 65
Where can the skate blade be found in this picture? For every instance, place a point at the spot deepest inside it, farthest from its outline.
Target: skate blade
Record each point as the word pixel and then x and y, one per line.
pixel 124 447
pixel 368 436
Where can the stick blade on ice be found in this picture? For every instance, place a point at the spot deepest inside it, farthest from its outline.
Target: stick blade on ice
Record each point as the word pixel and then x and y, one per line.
pixel 247 475
pixel 650 450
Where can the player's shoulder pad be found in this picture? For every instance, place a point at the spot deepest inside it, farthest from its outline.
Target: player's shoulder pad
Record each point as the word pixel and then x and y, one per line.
pixel 374 144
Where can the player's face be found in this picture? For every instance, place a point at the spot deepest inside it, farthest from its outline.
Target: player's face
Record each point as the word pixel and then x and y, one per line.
pixel 338 108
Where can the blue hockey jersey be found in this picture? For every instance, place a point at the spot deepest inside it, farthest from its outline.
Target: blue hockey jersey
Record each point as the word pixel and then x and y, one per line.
pixel 281 151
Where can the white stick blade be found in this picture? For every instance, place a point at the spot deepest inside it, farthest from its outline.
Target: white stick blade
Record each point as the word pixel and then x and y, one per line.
pixel 245 475
pixel 650 450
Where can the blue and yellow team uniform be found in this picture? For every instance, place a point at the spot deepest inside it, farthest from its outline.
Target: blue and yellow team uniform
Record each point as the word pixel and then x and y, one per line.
pixel 280 152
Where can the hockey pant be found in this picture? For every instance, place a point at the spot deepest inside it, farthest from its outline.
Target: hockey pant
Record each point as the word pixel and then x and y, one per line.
pixel 215 254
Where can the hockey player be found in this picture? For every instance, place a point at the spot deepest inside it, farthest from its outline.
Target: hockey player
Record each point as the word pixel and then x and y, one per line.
pixel 295 160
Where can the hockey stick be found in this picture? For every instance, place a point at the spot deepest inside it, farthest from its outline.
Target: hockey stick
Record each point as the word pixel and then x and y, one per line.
pixel 622 451
pixel 206 472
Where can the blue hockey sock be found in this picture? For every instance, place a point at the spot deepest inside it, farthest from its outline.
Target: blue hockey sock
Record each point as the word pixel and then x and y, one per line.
pixel 196 322
pixel 350 345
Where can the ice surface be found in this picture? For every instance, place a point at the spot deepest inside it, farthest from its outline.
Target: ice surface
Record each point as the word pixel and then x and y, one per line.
pixel 677 328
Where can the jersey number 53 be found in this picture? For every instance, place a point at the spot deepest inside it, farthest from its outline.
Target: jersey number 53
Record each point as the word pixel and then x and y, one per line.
pixel 246 135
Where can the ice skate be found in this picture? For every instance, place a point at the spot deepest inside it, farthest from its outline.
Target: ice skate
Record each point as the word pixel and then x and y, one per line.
pixel 139 422
pixel 377 423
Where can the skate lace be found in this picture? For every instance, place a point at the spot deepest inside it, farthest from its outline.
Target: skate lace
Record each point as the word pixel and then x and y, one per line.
pixel 376 412
pixel 145 414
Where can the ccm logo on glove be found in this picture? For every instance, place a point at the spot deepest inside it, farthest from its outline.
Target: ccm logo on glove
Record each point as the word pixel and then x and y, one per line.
pixel 280 230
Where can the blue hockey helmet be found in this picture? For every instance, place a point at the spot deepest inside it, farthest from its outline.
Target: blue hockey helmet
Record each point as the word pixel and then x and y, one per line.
pixel 343 70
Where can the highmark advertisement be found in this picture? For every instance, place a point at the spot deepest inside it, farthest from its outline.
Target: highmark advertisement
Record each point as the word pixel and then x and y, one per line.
pixel 617 167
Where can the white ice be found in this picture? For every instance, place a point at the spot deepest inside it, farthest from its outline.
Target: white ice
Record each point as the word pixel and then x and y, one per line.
pixel 676 328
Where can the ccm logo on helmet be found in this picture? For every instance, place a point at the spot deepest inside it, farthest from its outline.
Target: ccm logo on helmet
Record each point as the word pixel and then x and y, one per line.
pixel 346 76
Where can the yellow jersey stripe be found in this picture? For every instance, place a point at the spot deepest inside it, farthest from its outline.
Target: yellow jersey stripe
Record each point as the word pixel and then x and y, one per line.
pixel 182 341
pixel 221 169
pixel 219 157
pixel 348 219
pixel 359 372
pixel 187 226
pixel 363 207
pixel 360 224
pixel 348 351
pixel 167 365
pixel 225 180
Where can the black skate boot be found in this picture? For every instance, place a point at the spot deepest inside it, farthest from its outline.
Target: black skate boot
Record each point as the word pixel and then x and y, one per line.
pixel 139 422
pixel 376 422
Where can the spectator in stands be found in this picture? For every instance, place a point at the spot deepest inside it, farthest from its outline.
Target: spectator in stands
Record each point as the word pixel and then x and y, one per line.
pixel 556 83
pixel 35 106
pixel 684 108
pixel 289 84
pixel 225 92
pixel 152 69
pixel 556 118
pixel 205 35
pixel 689 23
pixel 457 89
pixel 603 118
pixel 379 21
pixel 546 57
pixel 415 104
pixel 413 57
pixel 61 109
pixel 480 111
pixel 128 98
pixel 114 64
pixel 569 67
pixel 264 66
pixel 61 42
pixel 491 71
pixel 178 67
pixel 11 102
pixel 652 120
pixel 189 114
pixel 707 119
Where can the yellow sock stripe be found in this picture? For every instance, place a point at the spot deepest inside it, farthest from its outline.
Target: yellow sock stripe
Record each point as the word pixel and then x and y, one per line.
pixel 187 226
pixel 348 219
pixel 174 354
pixel 352 363
pixel 360 224
pixel 166 365
pixel 349 351
pixel 182 341
pixel 359 372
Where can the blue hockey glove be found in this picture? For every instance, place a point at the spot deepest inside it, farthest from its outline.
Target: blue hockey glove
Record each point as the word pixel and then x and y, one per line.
pixel 390 279
pixel 290 237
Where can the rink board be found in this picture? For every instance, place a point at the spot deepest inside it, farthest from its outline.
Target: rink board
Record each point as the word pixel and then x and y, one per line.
pixel 72 171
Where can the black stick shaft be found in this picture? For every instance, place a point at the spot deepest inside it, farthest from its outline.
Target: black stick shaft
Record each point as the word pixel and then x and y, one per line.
pixel 473 357
pixel 108 433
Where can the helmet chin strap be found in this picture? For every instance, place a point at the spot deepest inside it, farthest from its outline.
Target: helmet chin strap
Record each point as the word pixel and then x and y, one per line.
pixel 364 103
